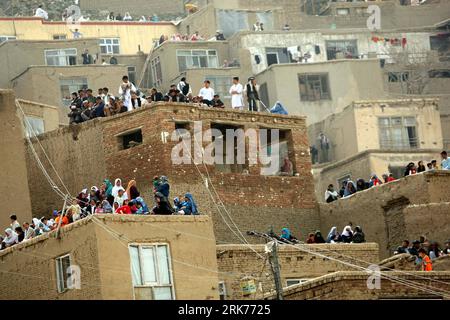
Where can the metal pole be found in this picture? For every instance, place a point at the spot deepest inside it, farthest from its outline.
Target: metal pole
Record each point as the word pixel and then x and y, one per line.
pixel 63 213
pixel 276 271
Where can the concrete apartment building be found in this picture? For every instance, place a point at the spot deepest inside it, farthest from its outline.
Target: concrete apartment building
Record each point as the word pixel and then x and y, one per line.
pixel 376 137
pixel 320 89
pixel 155 258
pixel 16 56
pixel 57 65
pixel 54 84
pixel 127 37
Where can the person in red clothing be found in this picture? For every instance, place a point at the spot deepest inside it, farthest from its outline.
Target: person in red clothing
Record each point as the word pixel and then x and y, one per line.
pixel 426 261
pixel 125 209
pixel 388 178
pixel 374 181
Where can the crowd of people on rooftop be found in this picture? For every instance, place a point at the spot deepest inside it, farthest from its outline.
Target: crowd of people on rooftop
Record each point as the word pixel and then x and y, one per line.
pixel 349 187
pixel 84 105
pixel 107 199
pixel 348 235
pixel 424 250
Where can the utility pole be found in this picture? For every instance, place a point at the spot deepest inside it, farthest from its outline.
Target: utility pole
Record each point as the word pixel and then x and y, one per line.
pixel 276 269
pixel 272 250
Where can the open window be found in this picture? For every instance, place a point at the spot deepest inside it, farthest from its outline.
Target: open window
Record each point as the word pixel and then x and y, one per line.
pixel 277 144
pixel 62 272
pixel 230 148
pixel 130 139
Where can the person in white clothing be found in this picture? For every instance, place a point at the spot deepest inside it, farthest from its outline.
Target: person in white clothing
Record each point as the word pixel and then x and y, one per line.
pixel 207 93
pixel 41 13
pixel 127 17
pixel 125 92
pixel 237 97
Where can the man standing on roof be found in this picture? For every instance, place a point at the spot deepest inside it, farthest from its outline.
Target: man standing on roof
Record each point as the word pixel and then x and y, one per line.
pixel 236 91
pixel 252 94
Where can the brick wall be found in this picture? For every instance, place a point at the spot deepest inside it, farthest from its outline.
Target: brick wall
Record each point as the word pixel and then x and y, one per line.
pixel 77 156
pixel 353 285
pixel 254 201
pixel 395 211
pixel 237 262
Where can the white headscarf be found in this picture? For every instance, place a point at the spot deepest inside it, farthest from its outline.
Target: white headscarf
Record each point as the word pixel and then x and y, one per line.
pixel 11 237
pixel 346 232
pixel 332 233
pixel 115 189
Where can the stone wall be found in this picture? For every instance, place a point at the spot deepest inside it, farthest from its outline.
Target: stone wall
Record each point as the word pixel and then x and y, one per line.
pixel 395 211
pixel 429 219
pixel 238 262
pixel 353 285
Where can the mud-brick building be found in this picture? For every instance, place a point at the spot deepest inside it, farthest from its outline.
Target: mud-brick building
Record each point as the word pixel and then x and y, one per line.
pixel 110 257
pixel 138 145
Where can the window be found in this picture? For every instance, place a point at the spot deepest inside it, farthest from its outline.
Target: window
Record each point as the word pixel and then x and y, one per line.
pixel 233 137
pixel 398 76
pixel 130 139
pixel 293 282
pixel 132 74
pixel 192 59
pixel 71 85
pixel 221 85
pixel 6 38
pixel 398 133
pixel 277 55
pixel 342 11
pixel 36 124
pixel 59 37
pixel 440 42
pixel 110 45
pixel 61 57
pixel 314 87
pixel 156 72
pixel 342 49
pixel 222 290
pixel 268 147
pixel 151 272
pixel 62 272
pixel 439 73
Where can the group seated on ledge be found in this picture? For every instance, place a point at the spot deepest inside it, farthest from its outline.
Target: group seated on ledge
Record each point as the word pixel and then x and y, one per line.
pixel 108 199
pixel 349 188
